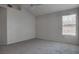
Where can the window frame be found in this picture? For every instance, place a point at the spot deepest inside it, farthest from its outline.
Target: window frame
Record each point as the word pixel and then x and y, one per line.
pixel 75 33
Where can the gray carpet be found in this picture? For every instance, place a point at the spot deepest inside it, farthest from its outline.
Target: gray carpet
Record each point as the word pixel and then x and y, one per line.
pixel 37 46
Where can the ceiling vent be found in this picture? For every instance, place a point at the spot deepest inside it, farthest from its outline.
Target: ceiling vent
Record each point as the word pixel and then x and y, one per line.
pixel 15 6
pixel 33 5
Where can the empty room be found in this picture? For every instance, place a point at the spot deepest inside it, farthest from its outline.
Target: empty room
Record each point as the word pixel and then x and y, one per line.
pixel 39 29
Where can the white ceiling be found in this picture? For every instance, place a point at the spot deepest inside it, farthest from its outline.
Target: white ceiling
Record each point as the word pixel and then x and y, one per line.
pixel 42 9
pixel 48 8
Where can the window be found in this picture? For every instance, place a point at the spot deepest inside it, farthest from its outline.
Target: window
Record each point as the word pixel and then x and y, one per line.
pixel 69 25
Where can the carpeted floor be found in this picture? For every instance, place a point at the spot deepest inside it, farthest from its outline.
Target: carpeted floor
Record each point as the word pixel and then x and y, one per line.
pixel 37 46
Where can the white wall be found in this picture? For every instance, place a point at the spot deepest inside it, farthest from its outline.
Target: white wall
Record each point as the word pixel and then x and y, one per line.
pixel 3 29
pixel 20 25
pixel 49 27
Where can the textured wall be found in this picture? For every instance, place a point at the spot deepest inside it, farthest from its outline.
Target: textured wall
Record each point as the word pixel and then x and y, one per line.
pixel 20 25
pixel 49 27
pixel 3 26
